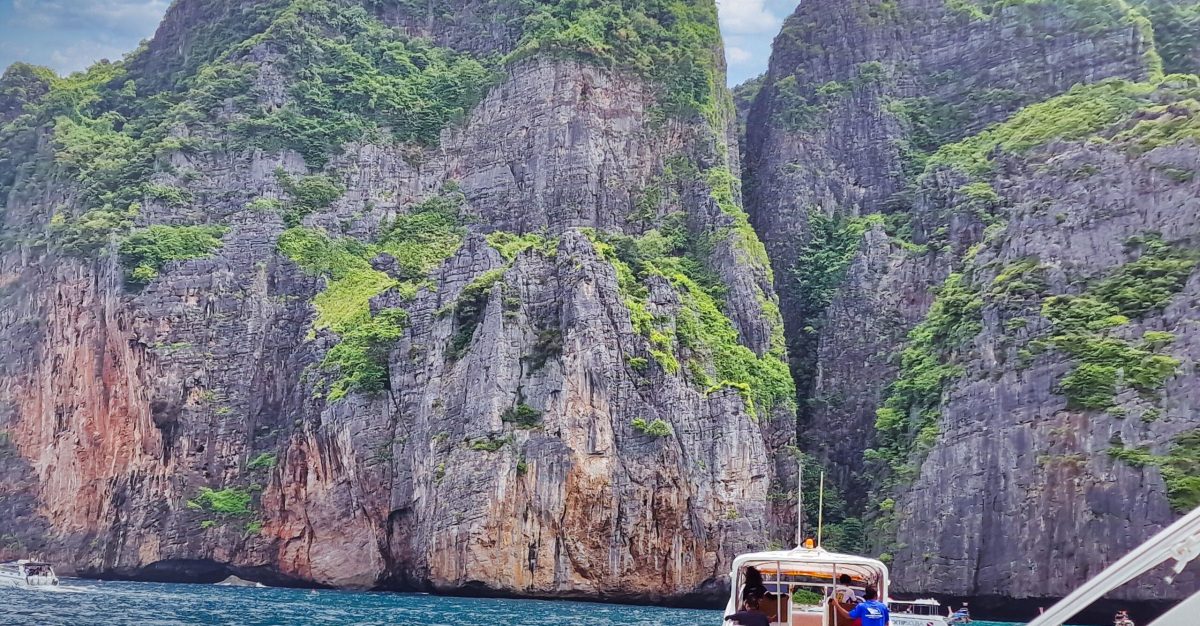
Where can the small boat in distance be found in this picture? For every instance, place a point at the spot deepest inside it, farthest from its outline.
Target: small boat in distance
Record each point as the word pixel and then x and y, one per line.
pixel 27 573
pixel 920 612
pixel 961 616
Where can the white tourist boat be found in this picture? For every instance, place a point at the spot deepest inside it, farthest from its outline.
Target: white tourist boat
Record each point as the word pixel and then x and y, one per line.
pixel 920 612
pixel 26 573
pixel 799 581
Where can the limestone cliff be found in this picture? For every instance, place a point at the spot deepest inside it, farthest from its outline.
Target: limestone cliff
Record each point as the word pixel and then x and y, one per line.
pixel 379 295
pixel 1066 355
pixel 938 182
pixel 857 95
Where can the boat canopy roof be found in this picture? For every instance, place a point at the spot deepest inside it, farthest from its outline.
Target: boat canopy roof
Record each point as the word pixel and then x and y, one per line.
pixel 27 562
pixel 926 601
pixel 814 563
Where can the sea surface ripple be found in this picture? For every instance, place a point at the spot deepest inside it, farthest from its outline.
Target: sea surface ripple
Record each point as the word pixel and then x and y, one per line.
pixel 94 603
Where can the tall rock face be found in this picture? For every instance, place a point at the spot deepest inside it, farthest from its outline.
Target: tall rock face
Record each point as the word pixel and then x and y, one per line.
pixel 858 93
pixel 1067 401
pixel 298 295
pixel 943 188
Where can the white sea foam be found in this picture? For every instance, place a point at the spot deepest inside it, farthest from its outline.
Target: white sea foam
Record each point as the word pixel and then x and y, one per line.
pixel 57 589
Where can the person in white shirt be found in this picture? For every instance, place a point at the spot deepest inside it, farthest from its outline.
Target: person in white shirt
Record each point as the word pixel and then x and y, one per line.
pixel 843 593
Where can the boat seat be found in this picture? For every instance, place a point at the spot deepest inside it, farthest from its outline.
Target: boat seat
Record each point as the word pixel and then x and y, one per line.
pixel 807 619
pixel 776 608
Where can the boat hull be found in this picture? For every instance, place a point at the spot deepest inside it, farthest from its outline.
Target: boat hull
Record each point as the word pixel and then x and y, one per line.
pixel 10 580
pixel 901 619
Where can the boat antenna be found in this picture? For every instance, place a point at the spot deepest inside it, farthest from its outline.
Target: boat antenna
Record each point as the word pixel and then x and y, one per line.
pixel 821 509
pixel 800 503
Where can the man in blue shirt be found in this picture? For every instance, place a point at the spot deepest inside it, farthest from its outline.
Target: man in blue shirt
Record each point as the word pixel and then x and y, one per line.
pixel 871 611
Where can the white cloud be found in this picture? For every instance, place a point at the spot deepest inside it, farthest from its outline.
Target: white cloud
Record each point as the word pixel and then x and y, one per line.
pixel 747 17
pixel 138 17
pixel 737 56
pixel 70 35
pixel 82 54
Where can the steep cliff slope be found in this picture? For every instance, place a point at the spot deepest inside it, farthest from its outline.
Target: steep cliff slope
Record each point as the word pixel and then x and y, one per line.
pixel 448 296
pixel 1054 379
pixel 923 254
pixel 858 94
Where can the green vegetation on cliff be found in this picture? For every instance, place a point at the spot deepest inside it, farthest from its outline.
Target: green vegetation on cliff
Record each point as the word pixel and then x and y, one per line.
pixel 523 415
pixel 724 189
pixel 1165 124
pixel 226 506
pixel 416 242
pixel 1080 113
pixel 700 334
pixel 673 42
pixel 306 195
pixel 1176 33
pixel 359 360
pixel 107 142
pixel 349 77
pixel 653 428
pixel 1086 16
pixel 230 501
pixel 509 245
pixel 1088 326
pixel 907 423
pixel 352 76
pixel 182 52
pixel 144 252
pixel 815 276
pixel 23 84
pixel 469 309
pixel 264 461
pixel 345 75
pixel 1180 468
pixel 801 107
pixel 1163 113
pixel 1091 326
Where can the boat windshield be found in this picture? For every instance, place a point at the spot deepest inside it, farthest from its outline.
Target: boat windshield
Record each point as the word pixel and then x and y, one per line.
pixel 37 569
pixel 915 608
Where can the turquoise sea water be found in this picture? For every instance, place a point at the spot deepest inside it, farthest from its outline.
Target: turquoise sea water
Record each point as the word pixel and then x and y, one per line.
pixel 93 603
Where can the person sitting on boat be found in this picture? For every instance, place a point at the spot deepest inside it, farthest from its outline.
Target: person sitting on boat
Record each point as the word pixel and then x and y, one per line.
pixel 961 616
pixel 753 587
pixel 751 613
pixel 870 611
pixel 844 593
pixel 1122 619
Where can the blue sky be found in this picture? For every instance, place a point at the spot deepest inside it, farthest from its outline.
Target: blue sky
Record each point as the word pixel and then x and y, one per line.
pixel 69 35
pixel 749 27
